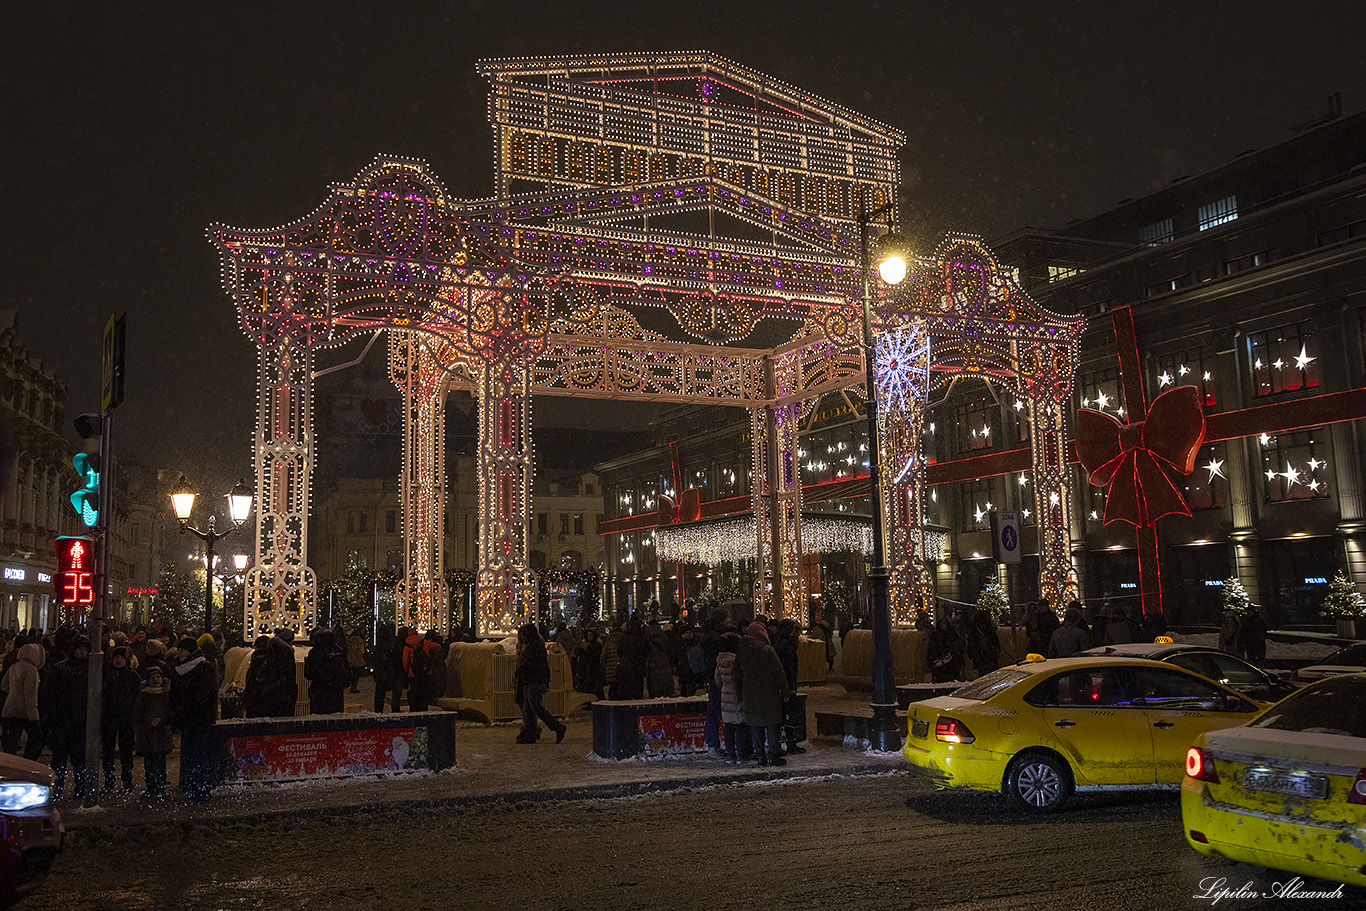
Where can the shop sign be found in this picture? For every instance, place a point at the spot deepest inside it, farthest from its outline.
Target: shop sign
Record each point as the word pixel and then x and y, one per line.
pixel 14 574
pixel 327 754
pixel 45 578
pixel 1315 580
pixel 1128 585
pixel 1214 583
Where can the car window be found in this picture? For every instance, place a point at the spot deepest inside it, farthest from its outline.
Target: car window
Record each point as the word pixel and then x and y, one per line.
pixel 1092 687
pixel 1171 689
pixel 1195 661
pixel 1333 706
pixel 1235 671
pixel 989 685
pixel 1352 654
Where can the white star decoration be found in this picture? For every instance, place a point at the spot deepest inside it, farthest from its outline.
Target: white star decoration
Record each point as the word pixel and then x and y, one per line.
pixel 977 514
pixel 1165 379
pixel 1314 464
pixel 1023 480
pixel 1026 514
pixel 1303 360
pixel 1183 370
pixel 1291 475
pixel 1314 486
pixel 1266 440
pixel 1215 467
pixel 1278 363
pixel 1270 475
pixel 1102 400
pixel 1053 498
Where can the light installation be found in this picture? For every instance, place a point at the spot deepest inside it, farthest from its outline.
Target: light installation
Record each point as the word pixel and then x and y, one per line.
pixel 599 270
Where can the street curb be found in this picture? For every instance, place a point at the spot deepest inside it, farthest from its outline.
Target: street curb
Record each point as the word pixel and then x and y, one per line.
pixel 100 829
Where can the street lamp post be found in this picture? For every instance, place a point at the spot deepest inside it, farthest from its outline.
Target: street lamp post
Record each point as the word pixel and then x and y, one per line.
pixel 883 732
pixel 239 563
pixel 239 506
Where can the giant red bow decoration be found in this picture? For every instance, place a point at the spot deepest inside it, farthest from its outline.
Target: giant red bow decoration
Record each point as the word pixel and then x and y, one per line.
pixel 1133 461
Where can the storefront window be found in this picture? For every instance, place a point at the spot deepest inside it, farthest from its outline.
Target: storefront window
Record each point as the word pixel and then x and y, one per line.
pixel 1283 360
pixel 1294 465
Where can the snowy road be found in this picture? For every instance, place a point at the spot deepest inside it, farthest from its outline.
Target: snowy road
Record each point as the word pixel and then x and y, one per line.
pixel 865 843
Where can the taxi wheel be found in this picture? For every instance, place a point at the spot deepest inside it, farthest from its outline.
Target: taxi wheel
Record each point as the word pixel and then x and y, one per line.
pixel 1038 782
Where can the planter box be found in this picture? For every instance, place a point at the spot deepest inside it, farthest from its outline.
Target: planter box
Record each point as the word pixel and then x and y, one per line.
pixel 1351 627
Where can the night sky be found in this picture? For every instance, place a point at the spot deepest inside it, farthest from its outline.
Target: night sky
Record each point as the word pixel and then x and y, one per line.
pixel 132 126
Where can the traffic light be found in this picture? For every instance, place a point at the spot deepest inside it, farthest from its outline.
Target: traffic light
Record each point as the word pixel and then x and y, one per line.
pixel 86 499
pixel 75 579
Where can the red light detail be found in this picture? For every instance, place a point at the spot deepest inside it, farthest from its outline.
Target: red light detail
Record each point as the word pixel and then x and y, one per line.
pixel 1200 766
pixel 1199 836
pixel 1358 792
pixel 951 730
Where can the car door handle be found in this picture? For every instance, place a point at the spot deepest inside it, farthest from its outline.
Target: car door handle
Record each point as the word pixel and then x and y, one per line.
pixel 1163 724
pixel 1064 724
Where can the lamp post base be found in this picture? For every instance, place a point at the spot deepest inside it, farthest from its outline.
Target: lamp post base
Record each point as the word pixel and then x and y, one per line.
pixel 884 731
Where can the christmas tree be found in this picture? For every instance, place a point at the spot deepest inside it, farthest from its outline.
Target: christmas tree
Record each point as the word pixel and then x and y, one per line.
pixel 1343 599
pixel 993 600
pixel 1236 599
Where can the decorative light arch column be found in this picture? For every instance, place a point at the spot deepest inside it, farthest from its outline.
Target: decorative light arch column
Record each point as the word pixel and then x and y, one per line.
pixel 776 491
pixel 282 589
pixel 423 598
pixel 1052 497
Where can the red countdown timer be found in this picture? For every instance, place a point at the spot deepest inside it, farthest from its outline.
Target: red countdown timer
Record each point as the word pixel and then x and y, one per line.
pixel 75 581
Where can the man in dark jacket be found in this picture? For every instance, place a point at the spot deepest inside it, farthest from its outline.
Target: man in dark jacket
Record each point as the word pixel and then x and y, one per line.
pixel 327 673
pixel 632 654
pixel 786 644
pixel 945 650
pixel 532 681
pixel 121 685
pixel 1071 637
pixel 62 702
pixel 194 707
pixel 716 627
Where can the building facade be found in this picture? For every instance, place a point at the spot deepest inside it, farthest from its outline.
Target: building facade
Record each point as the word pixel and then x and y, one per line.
pixel 1248 282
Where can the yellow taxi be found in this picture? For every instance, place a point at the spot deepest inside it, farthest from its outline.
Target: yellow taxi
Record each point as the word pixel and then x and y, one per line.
pixel 1042 729
pixel 1288 790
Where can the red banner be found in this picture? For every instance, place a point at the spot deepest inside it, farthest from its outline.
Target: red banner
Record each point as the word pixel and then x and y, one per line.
pixel 683 732
pixel 329 754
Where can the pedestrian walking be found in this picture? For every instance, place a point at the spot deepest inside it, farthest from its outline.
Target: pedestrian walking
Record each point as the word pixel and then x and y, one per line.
pixel 193 701
pixel 1071 637
pixel 718 624
pixel 417 668
pixel 945 650
pixel 152 729
pixel 121 685
pixel 611 659
pixel 786 643
pixel 533 680
pixel 386 671
pixel 591 675
pixel 355 656
pixel 632 654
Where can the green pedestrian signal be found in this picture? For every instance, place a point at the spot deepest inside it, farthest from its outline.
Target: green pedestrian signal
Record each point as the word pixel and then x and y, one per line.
pixel 86 500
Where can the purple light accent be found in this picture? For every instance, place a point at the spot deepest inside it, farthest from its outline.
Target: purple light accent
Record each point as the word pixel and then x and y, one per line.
pixel 271 252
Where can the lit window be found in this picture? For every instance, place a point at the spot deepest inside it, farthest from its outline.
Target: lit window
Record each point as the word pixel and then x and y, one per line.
pixel 1218 212
pixel 1159 232
pixel 1059 273
pixel 1282 359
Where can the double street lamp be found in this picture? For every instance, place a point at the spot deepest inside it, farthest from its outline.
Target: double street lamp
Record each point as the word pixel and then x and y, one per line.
pixel 239 506
pixel 884 733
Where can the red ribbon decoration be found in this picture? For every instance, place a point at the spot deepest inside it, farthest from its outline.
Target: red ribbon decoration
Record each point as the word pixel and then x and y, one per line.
pixel 1134 461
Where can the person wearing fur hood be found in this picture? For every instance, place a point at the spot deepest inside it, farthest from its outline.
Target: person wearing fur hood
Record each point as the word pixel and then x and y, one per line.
pixel 152 729
pixel 732 712
pixel 20 712
pixel 762 685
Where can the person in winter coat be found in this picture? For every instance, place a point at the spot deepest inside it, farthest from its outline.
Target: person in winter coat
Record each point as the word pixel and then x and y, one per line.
pixel 591 676
pixel 737 737
pixel 418 653
pixel 632 655
pixel 194 707
pixel 984 645
pixel 1117 628
pixel 355 656
pixel 213 653
pixel 255 704
pixel 19 715
pixel 121 685
pixel 1228 634
pixel 762 687
pixel 152 729
pixel 659 665
pixel 532 681
pixel 718 624
pixel 439 671
pixel 388 679
pixel 945 650
pixel 1069 638
pixel 62 700
pixel 785 643
pixel 1251 638
pixel 327 673
pixel 1040 623
pixel 271 689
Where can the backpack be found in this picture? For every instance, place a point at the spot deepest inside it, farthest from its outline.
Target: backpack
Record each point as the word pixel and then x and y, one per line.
pixel 697 659
pixel 421 663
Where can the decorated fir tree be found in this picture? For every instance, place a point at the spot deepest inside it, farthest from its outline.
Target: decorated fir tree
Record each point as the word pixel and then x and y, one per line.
pixel 1343 600
pixel 992 599
pixel 1236 599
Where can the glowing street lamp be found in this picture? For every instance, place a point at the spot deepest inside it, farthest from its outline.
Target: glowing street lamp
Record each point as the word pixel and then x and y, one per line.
pixel 239 507
pixel 883 732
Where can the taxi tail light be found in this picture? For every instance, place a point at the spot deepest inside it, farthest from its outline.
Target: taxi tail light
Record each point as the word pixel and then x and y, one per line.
pixel 1200 765
pixel 1358 792
pixel 1199 836
pixel 952 730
